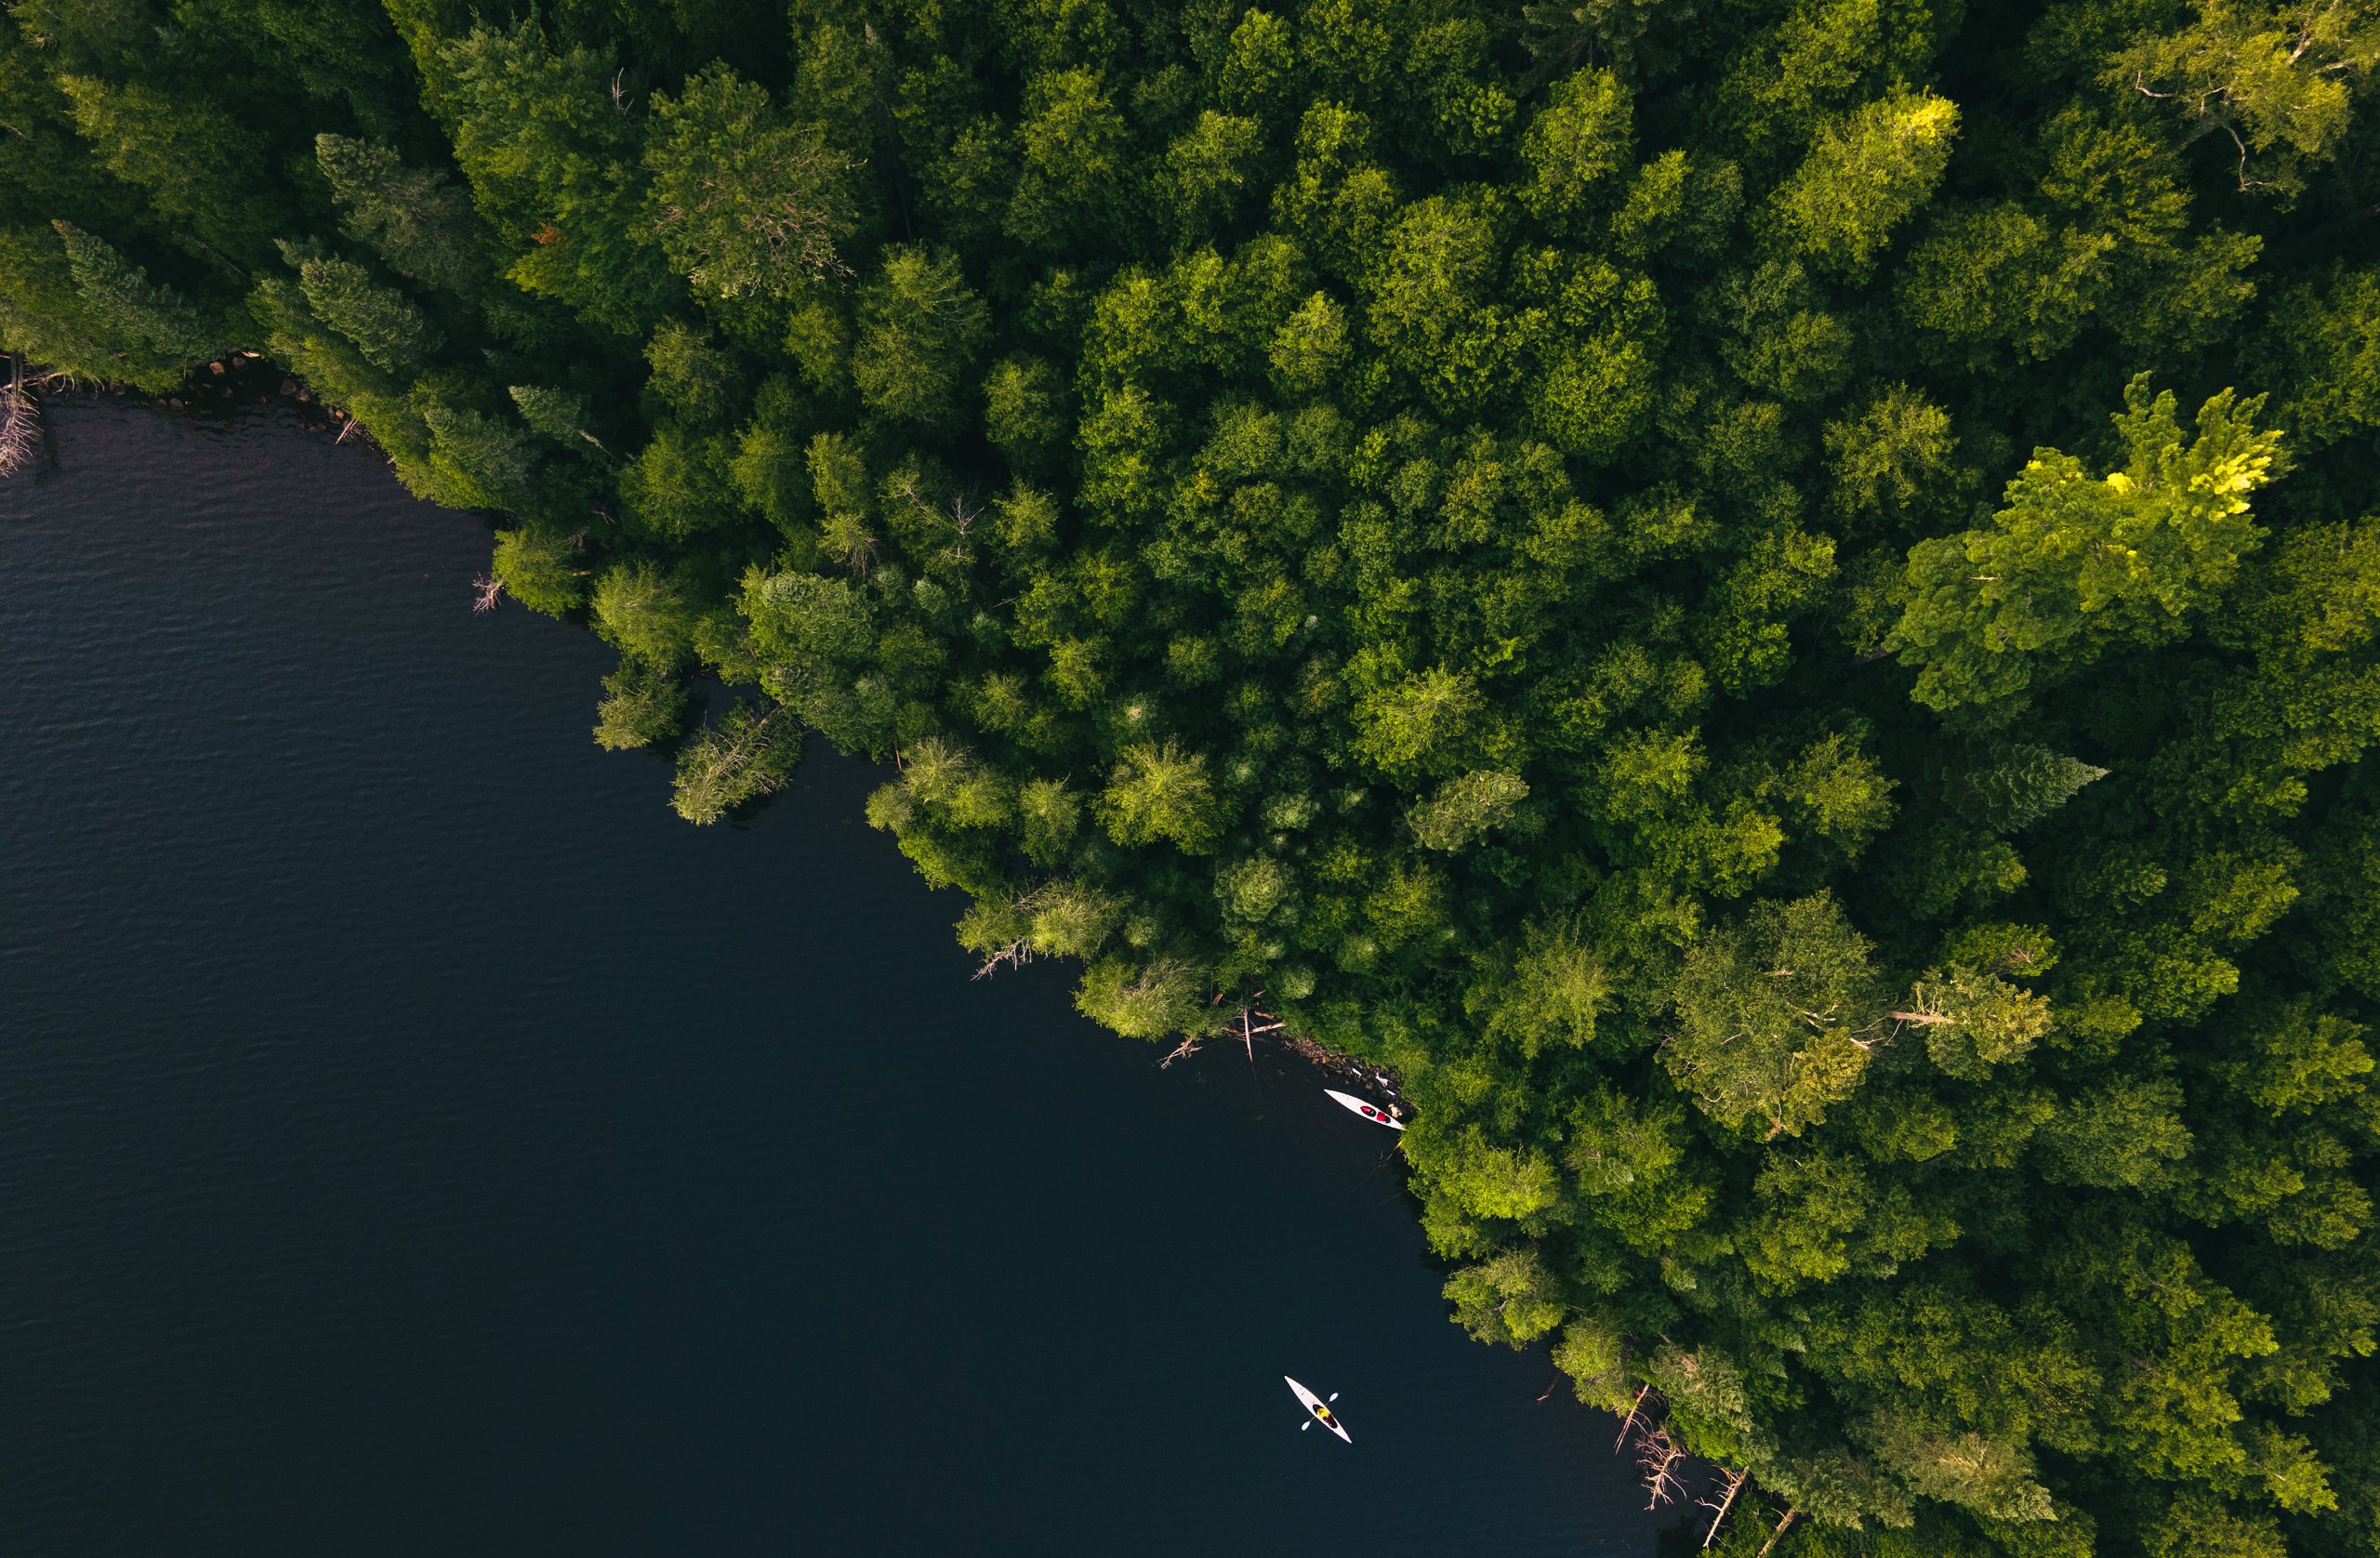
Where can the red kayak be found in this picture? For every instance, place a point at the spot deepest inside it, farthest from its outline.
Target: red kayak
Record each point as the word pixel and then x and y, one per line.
pixel 1371 1112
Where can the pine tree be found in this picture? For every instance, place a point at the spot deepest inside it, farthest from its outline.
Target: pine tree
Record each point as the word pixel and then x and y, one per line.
pixel 203 171
pixel 2019 784
pixel 539 568
pixel 157 334
pixel 421 225
pixel 920 329
pixel 642 706
pixel 387 328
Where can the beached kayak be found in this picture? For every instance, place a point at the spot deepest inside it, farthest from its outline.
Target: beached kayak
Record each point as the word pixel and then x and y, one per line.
pixel 1321 1411
pixel 1369 1111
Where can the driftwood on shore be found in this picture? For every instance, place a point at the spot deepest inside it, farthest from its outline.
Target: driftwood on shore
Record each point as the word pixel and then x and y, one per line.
pixel 1248 1023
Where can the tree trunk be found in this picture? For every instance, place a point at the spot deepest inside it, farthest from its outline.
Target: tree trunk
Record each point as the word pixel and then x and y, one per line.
pixel 1735 1486
pixel 1627 1421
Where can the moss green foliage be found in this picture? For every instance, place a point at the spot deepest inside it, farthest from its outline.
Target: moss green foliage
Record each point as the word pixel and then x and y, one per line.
pixel 641 708
pixel 1776 602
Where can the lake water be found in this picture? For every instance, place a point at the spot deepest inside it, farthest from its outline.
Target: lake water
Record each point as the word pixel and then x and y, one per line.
pixel 414 1140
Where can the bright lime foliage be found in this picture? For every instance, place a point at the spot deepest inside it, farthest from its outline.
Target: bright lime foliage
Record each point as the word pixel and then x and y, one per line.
pixel 2077 564
pixel 1776 601
pixel 1868 173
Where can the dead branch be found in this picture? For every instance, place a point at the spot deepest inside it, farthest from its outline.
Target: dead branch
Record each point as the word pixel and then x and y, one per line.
pixel 1013 955
pixel 1181 1051
pixel 2246 183
pixel 491 588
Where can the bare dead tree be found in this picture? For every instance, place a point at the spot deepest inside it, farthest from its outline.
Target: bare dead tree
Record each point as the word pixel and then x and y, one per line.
pixel 620 93
pixel 1721 1504
pixel 949 528
pixel 490 590
pixel 1657 1456
pixel 1791 1512
pixel 20 422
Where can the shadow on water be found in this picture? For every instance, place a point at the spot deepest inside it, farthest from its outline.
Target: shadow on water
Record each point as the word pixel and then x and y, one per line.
pixel 419 1141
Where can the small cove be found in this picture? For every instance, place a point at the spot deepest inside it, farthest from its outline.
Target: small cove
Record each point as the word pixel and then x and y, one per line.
pixel 419 1140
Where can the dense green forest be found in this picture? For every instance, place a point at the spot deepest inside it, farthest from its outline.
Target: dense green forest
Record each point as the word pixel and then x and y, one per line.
pixel 1772 599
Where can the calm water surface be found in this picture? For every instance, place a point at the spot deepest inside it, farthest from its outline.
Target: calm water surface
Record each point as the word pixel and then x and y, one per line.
pixel 413 1139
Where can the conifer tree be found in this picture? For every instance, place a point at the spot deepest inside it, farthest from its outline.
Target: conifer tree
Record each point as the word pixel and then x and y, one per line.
pixel 417 221
pixel 157 333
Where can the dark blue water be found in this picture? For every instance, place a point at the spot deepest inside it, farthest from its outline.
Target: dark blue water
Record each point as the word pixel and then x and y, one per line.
pixel 414 1140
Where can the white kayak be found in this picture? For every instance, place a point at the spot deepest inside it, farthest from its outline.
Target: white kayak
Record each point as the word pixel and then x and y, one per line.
pixel 1315 1405
pixel 1369 1111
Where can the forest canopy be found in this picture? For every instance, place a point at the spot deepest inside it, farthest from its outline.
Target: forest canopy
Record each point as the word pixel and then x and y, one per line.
pixel 1776 602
